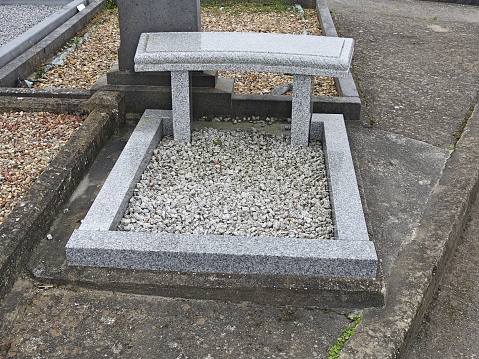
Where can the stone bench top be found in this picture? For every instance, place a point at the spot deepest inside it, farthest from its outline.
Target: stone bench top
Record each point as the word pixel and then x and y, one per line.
pixel 263 52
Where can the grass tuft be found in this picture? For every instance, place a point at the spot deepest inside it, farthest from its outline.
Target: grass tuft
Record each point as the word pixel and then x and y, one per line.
pixel 335 350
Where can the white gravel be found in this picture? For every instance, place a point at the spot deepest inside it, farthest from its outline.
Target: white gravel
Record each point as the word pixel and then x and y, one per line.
pixel 16 19
pixel 233 183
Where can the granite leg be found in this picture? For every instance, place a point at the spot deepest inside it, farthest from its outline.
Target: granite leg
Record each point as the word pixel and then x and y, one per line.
pixel 301 113
pixel 181 105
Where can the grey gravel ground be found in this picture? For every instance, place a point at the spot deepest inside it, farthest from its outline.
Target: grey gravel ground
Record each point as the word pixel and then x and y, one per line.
pixel 233 183
pixel 16 19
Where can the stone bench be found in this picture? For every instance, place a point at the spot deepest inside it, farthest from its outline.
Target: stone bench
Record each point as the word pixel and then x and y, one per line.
pixel 303 56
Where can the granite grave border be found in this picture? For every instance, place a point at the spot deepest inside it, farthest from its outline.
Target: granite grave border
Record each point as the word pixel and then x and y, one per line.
pixel 24 41
pixel 350 255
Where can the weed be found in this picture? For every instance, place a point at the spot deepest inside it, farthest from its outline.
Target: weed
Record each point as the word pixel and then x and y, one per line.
pixel 287 314
pixel 110 4
pixel 335 350
pixel 458 134
pixel 40 73
pixel 254 7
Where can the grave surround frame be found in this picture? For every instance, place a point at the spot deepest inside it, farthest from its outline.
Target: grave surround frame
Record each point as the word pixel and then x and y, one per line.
pixel 350 255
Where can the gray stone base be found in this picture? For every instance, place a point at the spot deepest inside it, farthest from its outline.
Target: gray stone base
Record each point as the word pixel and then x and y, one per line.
pixel 350 255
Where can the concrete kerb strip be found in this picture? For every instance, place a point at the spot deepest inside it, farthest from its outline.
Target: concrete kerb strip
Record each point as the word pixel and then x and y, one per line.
pixel 383 333
pixel 31 220
pixel 21 43
pixel 96 243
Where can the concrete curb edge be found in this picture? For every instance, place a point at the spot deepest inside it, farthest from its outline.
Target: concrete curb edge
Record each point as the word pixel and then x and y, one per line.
pixel 384 332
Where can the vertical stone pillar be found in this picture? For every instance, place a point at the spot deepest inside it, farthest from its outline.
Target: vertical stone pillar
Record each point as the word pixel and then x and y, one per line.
pixel 181 105
pixel 138 16
pixel 302 110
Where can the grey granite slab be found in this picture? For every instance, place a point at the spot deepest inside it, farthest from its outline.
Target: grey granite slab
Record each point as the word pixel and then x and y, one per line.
pixel 300 55
pixel 222 254
pixel 347 208
pixel 284 53
pixel 111 202
pixel 181 105
pixel 349 255
pixel 301 110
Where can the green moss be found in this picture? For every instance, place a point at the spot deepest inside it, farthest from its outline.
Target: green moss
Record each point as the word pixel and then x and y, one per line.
pixel 110 4
pixel 466 119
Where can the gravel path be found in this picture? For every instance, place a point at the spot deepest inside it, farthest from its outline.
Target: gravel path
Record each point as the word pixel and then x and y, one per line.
pixel 16 19
pixel 98 52
pixel 234 183
pixel 28 142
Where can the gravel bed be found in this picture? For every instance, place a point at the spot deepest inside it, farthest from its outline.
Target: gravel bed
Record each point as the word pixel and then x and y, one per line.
pixel 28 142
pixel 16 19
pixel 95 56
pixel 240 183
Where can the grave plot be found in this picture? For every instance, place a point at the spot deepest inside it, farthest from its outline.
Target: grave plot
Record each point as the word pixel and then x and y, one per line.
pixel 32 31
pixel 346 254
pixel 28 143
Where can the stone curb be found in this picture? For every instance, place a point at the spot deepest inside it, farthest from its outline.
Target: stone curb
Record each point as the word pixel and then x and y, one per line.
pixel 31 219
pixel 97 243
pixel 384 332
pixel 60 100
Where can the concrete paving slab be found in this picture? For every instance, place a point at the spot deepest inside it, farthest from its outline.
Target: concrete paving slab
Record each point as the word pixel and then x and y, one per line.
pixel 397 175
pixel 414 63
pixel 79 323
pixel 417 63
